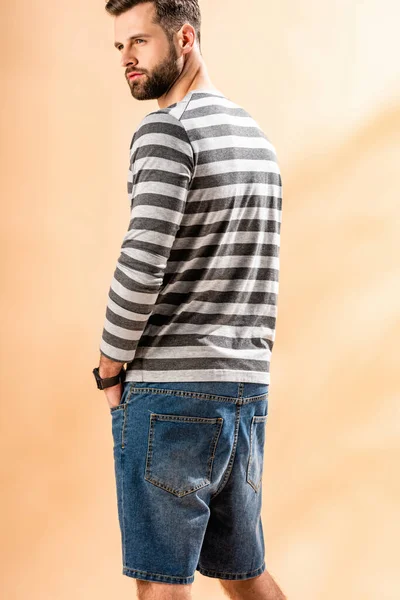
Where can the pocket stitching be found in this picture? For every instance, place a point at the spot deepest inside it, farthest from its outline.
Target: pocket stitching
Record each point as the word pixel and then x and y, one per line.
pixel 255 419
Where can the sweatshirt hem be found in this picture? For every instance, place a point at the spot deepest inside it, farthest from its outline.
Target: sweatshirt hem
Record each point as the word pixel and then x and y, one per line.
pixel 210 375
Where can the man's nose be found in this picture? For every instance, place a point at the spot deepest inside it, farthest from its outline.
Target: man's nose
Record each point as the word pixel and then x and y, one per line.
pixel 128 58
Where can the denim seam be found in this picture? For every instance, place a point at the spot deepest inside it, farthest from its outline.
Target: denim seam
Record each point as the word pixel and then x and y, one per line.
pixel 198 395
pixel 232 457
pixel 122 459
pixel 249 480
pixel 157 574
pixel 190 419
pixel 200 568
pixel 256 419
pixel 124 419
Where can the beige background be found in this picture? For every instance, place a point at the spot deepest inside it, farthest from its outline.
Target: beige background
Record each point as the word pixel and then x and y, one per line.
pixel 322 79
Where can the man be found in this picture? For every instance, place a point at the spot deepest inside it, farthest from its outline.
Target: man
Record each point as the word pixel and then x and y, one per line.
pixel 192 313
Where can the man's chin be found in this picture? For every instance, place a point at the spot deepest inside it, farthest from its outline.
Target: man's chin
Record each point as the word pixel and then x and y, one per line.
pixel 140 95
pixel 136 91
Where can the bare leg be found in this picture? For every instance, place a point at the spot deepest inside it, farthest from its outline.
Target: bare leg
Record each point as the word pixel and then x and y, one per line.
pixel 262 587
pixel 151 590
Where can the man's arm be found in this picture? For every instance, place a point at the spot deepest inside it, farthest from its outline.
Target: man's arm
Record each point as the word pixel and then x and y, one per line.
pixel 108 367
pixel 161 168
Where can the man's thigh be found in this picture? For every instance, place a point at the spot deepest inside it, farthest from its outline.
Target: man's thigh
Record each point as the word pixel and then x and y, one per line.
pixel 150 590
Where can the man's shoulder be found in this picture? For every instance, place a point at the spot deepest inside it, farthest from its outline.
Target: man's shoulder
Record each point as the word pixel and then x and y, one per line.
pixel 162 122
pixel 158 119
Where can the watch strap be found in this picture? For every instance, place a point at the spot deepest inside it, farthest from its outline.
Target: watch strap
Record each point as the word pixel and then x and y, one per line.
pixel 106 382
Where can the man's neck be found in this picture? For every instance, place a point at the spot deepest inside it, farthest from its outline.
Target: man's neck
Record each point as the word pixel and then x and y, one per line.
pixel 198 80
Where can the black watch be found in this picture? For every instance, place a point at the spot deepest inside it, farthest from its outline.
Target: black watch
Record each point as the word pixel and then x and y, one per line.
pixel 108 381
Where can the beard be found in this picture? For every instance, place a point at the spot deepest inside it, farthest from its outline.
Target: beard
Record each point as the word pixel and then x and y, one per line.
pixel 159 81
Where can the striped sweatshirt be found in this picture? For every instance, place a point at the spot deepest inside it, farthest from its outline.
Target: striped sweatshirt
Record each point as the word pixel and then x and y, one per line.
pixel 194 292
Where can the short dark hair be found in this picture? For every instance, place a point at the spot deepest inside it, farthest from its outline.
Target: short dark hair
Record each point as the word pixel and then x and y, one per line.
pixel 170 14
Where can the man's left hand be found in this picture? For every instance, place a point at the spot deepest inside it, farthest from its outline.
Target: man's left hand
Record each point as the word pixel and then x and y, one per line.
pixel 111 368
pixel 114 395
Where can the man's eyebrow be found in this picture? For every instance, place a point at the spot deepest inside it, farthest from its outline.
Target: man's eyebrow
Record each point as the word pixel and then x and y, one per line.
pixel 138 35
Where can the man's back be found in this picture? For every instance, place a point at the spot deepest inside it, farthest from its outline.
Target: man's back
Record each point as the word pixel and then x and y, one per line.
pixel 194 294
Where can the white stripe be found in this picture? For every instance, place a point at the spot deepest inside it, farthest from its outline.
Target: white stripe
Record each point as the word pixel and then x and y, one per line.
pixel 233 374
pixel 138 276
pixel 218 120
pixel 158 187
pixel 158 213
pixel 223 285
pixel 125 334
pixel 211 308
pixel 236 165
pixel 137 297
pixel 147 163
pixel 210 101
pixel 201 352
pixel 116 353
pixel 159 117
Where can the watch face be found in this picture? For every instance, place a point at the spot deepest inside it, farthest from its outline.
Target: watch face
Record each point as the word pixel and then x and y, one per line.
pixel 97 377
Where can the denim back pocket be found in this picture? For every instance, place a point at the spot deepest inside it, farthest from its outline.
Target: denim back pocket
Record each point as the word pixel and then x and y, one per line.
pixel 256 458
pixel 181 451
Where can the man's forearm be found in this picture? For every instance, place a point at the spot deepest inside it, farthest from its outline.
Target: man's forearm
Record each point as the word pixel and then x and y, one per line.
pixel 108 367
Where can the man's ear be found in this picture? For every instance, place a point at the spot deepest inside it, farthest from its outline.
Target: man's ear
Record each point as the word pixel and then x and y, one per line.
pixel 187 38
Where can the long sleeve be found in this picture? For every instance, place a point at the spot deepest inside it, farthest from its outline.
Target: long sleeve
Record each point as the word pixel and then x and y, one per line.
pixel 161 169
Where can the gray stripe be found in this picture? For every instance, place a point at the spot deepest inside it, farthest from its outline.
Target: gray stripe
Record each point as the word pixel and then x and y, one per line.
pixel 213 181
pixel 210 156
pixel 223 130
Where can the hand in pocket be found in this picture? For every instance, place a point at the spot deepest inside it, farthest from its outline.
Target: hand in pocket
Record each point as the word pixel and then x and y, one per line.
pixel 114 395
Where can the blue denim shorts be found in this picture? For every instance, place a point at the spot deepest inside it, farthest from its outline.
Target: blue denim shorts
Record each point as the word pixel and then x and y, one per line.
pixel 188 466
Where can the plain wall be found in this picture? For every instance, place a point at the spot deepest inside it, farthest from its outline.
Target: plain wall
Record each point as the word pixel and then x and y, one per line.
pixel 322 79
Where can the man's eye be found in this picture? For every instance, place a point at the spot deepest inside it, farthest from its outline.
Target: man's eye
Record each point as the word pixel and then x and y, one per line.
pixel 137 40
